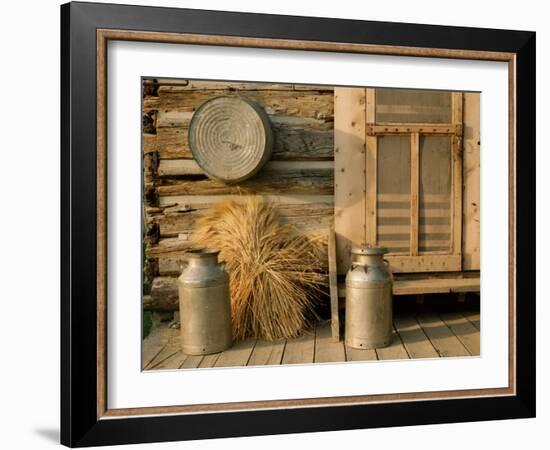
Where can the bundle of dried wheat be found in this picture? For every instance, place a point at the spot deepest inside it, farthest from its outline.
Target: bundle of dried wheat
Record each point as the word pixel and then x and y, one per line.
pixel 275 273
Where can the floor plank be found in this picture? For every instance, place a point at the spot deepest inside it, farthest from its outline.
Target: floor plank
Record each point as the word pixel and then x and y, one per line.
pixel 395 350
pixel 191 362
pixel 360 354
pixel 267 353
pixel 442 338
pixel 209 360
pixel 300 350
pixel 326 350
pixel 416 342
pixel 238 355
pixel 154 344
pixel 167 352
pixel 473 317
pixel 174 361
pixel 464 330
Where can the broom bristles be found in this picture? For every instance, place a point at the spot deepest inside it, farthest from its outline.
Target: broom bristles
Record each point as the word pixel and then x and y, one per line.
pixel 275 273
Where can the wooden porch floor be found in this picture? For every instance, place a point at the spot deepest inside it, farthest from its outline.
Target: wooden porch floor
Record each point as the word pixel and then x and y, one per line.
pixel 420 335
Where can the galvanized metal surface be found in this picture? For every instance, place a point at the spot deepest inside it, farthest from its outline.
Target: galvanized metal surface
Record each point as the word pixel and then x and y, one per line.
pixel 205 311
pixel 230 138
pixel 369 309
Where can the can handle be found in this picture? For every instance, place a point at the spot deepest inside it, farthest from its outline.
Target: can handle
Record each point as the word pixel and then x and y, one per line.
pixel 355 264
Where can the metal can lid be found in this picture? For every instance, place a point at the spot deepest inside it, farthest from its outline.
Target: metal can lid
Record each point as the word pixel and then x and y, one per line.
pixel 370 251
pixel 201 252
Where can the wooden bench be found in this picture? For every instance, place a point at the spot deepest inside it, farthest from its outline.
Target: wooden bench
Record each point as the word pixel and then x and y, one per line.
pixel 428 286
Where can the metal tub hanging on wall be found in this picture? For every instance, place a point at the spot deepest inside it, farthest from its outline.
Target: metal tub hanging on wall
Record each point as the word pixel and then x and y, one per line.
pixel 230 138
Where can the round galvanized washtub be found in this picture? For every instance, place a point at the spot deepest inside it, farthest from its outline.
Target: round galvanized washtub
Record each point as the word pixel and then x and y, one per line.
pixel 205 311
pixel 369 309
pixel 230 138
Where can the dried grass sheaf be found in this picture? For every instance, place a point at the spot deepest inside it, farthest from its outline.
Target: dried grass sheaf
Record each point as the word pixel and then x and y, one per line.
pixel 274 272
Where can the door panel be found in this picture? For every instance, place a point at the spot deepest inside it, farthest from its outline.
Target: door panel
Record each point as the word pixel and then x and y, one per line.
pixel 435 194
pixel 394 193
pixel 417 172
pixel 413 106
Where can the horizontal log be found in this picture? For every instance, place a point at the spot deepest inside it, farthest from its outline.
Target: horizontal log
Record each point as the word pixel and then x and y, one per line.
pixel 177 118
pixel 291 142
pixel 170 86
pixel 310 218
pixel 174 201
pixel 169 247
pixel 174 167
pixel 171 265
pixel 317 105
pixel 164 295
pixel 174 119
pixel 177 222
pixel 316 181
pixel 189 84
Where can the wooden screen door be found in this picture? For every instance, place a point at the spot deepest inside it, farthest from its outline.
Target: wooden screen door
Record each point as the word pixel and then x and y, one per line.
pixel 409 145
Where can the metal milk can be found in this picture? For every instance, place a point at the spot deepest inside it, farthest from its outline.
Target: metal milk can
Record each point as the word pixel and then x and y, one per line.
pixel 369 309
pixel 205 311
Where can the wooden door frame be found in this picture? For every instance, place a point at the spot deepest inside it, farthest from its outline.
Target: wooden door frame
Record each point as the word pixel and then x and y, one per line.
pixel 416 261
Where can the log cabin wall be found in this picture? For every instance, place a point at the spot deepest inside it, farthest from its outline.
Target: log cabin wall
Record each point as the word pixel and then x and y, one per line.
pixel 299 176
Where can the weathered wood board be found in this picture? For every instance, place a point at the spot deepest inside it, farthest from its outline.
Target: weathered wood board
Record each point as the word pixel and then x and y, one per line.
pixel 471 179
pixel 326 350
pixel 349 175
pixel 292 181
pixel 295 140
pixel 312 218
pixel 300 350
pixel 333 285
pixel 441 337
pixel 307 103
pixel 267 353
pixel 414 339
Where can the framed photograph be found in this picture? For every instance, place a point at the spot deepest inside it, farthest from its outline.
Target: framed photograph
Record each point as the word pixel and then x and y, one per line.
pixel 278 224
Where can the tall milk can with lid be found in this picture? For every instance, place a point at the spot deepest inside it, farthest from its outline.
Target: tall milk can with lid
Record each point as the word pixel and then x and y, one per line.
pixel 205 311
pixel 369 309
